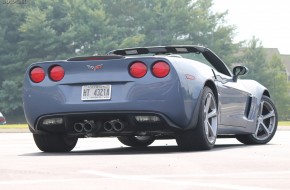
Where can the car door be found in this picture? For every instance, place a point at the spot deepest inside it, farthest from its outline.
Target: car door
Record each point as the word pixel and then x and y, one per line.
pixel 233 99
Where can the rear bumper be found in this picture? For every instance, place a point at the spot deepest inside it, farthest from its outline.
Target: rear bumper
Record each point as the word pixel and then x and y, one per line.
pixel 131 126
pixel 165 98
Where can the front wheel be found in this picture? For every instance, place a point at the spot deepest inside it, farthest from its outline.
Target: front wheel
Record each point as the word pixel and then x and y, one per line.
pixel 55 143
pixel 204 135
pixel 137 141
pixel 267 122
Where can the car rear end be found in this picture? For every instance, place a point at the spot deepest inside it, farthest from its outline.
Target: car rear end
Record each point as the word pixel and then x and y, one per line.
pixel 104 96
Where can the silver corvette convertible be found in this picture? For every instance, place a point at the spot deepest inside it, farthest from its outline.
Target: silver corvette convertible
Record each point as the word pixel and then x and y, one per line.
pixel 144 94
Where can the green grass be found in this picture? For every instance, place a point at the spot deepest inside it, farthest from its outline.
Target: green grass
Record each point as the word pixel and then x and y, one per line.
pixel 284 123
pixel 14 126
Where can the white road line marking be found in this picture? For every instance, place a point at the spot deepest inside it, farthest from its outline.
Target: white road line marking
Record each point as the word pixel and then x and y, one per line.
pixel 156 179
pixel 228 175
pixel 28 182
pixel 147 178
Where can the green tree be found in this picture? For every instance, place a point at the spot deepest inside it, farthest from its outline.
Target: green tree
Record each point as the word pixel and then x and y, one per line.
pixel 208 28
pixel 44 30
pixel 279 86
pixel 166 22
pixel 11 63
pixel 271 73
pixel 254 57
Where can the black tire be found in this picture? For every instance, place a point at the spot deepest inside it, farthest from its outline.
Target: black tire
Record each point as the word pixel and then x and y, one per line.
pixel 54 143
pixel 137 141
pixel 263 135
pixel 198 138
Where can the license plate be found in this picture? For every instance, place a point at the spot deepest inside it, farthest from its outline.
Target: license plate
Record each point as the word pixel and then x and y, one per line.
pixel 96 92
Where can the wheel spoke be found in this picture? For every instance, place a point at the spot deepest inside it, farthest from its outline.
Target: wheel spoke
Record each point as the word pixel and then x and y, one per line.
pixel 266 129
pixel 213 113
pixel 257 130
pixel 271 114
pixel 261 107
pixel 208 102
pixel 206 127
pixel 211 131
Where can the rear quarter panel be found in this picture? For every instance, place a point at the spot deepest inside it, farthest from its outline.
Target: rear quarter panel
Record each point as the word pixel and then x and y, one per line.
pixel 193 75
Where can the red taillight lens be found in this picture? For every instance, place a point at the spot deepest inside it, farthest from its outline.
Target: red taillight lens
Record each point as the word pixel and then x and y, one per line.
pixel 138 69
pixel 160 69
pixel 37 74
pixel 56 73
pixel 2 119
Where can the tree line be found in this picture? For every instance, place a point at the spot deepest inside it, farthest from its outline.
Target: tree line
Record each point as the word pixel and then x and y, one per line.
pixel 54 29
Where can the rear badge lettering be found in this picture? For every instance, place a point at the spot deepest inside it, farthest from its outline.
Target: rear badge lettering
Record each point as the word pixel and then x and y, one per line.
pixel 94 68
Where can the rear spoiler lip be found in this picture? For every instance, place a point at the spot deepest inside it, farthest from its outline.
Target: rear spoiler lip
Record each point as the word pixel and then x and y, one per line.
pixel 91 58
pixel 159 49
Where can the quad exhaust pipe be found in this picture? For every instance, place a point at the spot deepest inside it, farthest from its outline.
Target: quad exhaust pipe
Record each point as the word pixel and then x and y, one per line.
pixel 87 126
pixel 114 125
pixel 91 126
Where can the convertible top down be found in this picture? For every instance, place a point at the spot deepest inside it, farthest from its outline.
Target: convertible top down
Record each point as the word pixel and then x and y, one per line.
pixel 143 94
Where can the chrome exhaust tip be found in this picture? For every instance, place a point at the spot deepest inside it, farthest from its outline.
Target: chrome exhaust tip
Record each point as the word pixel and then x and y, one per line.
pixel 117 125
pixel 91 126
pixel 79 127
pixel 108 126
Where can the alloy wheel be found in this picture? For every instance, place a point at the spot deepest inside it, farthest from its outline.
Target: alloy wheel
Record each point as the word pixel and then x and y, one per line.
pixel 266 121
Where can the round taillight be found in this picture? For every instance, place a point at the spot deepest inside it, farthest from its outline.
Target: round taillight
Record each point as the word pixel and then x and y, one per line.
pixel 37 74
pixel 138 69
pixel 56 73
pixel 160 69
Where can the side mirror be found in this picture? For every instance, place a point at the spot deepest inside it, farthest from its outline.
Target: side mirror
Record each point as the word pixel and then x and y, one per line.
pixel 239 70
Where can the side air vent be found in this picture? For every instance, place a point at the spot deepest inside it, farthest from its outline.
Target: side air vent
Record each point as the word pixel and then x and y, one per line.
pixel 251 108
pixel 248 107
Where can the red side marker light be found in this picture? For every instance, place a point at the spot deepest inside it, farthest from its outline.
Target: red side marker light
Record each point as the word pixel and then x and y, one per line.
pixel 190 77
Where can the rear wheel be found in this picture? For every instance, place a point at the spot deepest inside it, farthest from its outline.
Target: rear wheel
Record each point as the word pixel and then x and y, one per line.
pixel 55 143
pixel 203 136
pixel 137 141
pixel 266 124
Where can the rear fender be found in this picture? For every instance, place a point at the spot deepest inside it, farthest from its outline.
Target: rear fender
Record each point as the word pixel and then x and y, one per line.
pixel 192 79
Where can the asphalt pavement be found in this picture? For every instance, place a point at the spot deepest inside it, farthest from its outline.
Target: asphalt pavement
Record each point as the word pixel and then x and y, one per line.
pixel 104 163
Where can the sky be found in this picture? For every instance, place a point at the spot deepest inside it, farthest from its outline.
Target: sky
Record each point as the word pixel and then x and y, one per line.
pixel 267 20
